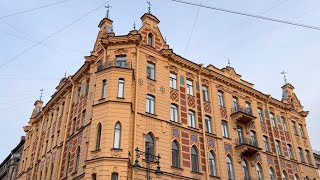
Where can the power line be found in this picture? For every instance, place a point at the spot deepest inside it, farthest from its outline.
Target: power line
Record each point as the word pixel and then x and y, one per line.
pixel 48 37
pixel 36 8
pixel 249 15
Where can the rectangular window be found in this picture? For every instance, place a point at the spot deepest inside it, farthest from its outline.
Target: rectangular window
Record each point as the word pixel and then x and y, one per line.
pixel 284 124
pixel 278 146
pixel 120 88
pixel 104 89
pixel 94 177
pixel 290 151
pixel 74 125
pixel 83 117
pixel 308 157
pixel 220 97
pixel 173 81
pixel 174 113
pixel 235 104
pixel 266 144
pixel 114 176
pixel 192 120
pixel 300 154
pixel 273 122
pixel 260 115
pixel 205 93
pixel 224 127
pixel 301 130
pixel 121 61
pixel 87 87
pixel 189 87
pixel 208 124
pixel 294 127
pixel 151 71
pixel 150 104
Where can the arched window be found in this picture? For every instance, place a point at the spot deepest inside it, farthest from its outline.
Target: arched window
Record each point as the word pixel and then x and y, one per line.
pixel 230 168
pixel 208 124
pixel 114 176
pixel 78 158
pixel 117 136
pixel 296 177
pixel 194 159
pixel 150 39
pixel 271 173
pixel 245 170
pixel 98 136
pixel 120 88
pixel 174 113
pixel 149 144
pixel 284 175
pixel 212 164
pixel 259 172
pixel 175 154
pixel 68 165
pixel 150 104
pixel 191 119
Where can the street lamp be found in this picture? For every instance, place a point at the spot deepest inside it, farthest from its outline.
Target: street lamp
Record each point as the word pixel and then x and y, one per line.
pixel 149 158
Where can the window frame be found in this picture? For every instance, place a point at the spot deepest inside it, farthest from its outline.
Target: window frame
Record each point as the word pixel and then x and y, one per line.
pixel 260 114
pixel 150 104
pixel 120 93
pixel 208 123
pixel 230 170
pixel 221 98
pixel 194 159
pixel 205 94
pixel 173 81
pixel 192 119
pixel 104 89
pixel 151 71
pixel 150 39
pixel 189 84
pixel 117 133
pixel 225 129
pixel 175 154
pixel 174 113
pixel 98 137
pixel 272 120
pixel 278 147
pixel 265 140
pixel 212 163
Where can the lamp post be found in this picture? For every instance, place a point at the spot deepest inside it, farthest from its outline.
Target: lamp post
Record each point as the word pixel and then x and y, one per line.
pixel 149 157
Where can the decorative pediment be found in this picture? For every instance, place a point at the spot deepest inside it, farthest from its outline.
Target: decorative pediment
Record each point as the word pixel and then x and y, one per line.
pixel 173 68
pixel 205 82
pixel 121 51
pixel 151 58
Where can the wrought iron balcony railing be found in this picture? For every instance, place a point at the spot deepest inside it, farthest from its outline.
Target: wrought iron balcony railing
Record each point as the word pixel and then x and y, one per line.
pixel 242 109
pixel 247 141
pixel 114 63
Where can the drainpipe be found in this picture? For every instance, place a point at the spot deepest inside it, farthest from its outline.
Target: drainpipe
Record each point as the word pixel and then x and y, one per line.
pixel 135 105
pixel 38 144
pixel 203 123
pixel 66 129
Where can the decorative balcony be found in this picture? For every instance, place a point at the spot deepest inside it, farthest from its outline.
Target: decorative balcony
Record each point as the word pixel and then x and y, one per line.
pixel 242 114
pixel 247 146
pixel 114 63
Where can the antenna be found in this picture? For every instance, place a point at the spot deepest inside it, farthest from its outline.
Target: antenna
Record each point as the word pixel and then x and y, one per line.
pixel 41 90
pixel 108 10
pixel 284 77
pixel 149 7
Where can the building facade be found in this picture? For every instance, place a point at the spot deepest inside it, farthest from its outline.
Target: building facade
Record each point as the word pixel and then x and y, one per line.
pixel 316 155
pixel 134 91
pixel 9 167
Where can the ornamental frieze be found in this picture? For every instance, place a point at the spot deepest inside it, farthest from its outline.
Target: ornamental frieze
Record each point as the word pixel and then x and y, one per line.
pixel 121 51
pixel 190 75
pixel 151 58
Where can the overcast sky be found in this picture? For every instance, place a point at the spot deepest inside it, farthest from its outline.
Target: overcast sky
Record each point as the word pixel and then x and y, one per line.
pixel 258 50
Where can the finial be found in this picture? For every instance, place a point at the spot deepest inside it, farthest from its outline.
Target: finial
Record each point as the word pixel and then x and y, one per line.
pixel 111 29
pixel 165 40
pixel 229 62
pixel 65 74
pixel 108 10
pixel 134 25
pixel 41 90
pixel 149 7
pixel 284 77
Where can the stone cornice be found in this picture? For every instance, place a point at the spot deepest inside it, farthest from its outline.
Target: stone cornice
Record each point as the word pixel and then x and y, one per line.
pixel 132 37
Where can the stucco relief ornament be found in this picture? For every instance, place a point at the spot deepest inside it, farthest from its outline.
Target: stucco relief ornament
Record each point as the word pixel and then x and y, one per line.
pixel 151 87
pixel 162 90
pixel 140 81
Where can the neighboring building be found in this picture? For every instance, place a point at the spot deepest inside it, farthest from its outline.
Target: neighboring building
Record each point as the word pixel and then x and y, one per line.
pixel 9 167
pixel 134 91
pixel 316 155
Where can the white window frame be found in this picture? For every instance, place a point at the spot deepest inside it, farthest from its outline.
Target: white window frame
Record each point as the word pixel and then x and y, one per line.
pixel 121 88
pixel 173 81
pixel 191 119
pixel 190 87
pixel 150 103
pixel 174 113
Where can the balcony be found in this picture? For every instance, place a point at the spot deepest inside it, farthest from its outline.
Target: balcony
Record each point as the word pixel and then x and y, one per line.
pixel 242 114
pixel 247 146
pixel 113 63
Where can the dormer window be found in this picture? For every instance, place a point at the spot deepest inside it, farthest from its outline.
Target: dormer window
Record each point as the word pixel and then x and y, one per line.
pixel 150 39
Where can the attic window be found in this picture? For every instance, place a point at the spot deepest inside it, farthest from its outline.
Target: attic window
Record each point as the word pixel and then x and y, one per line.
pixel 150 39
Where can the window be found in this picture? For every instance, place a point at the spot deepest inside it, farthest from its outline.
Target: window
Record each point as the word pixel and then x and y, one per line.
pixel 278 146
pixel 235 103
pixel 300 154
pixel 224 127
pixel 296 177
pixel 150 39
pixel 294 127
pixel 208 124
pixel 87 87
pixel 245 170
pixel 104 89
pixel 284 124
pixel 253 139
pixel 74 125
pixel 98 136
pixel 114 176
pixel 308 157
pixel 230 168
pixel 284 175
pixel 289 147
pixel 117 136
pixel 149 144
pixel 173 81
pixel 259 172
pixel 120 88
pixel 194 159
pixel 94 176
pixel 212 164
pixel 121 61
pixel 174 113
pixel 68 165
pixel 301 130
pixel 248 108
pixel 271 173
pixel 150 104
pixel 190 87
pixel 77 159
pixel 62 109
pixel 191 119
pixel 260 115
pixel 205 93
pixel 151 71
pixel 266 143
pixel 51 172
pixel 175 154
pixel 83 117
pixel 273 122
pixel 221 99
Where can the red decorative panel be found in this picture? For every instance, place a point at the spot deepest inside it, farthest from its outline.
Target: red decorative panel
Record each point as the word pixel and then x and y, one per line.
pixel 223 112
pixel 191 101
pixel 207 107
pixel 264 128
pixel 174 95
pixel 288 136
pixel 276 133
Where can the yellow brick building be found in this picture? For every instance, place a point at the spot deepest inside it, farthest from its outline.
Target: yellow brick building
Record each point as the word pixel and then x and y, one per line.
pixel 134 91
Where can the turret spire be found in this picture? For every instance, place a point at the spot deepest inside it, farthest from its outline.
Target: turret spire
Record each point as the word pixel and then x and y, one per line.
pixel 149 7
pixel 284 77
pixel 108 10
